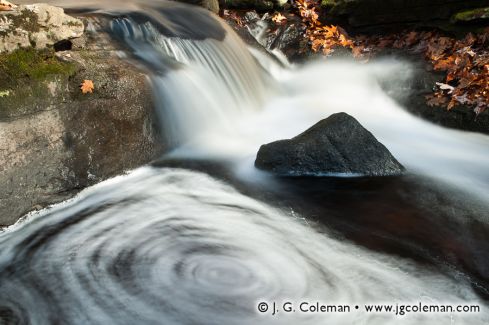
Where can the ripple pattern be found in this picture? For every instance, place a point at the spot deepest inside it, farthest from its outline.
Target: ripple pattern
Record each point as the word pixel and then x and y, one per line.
pixel 170 246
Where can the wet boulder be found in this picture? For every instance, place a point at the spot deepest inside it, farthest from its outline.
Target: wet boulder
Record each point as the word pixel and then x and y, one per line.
pixel 337 145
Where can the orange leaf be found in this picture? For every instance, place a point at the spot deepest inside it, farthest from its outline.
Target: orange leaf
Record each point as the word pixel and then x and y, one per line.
pixel 87 86
pixel 452 104
pixel 278 18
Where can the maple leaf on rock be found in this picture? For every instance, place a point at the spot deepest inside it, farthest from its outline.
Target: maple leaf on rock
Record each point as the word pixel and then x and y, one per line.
pixel 87 86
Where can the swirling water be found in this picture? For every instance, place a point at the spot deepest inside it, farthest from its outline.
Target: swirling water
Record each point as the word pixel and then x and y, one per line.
pixel 173 246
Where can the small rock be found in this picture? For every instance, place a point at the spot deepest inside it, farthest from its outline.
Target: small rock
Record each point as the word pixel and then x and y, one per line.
pixel 38 25
pixel 338 145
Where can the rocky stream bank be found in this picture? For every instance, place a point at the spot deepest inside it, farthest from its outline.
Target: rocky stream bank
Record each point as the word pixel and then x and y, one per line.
pixel 55 140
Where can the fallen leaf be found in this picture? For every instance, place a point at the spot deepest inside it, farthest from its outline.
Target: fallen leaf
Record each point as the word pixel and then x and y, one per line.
pixel 87 86
pixel 278 18
pixel 452 104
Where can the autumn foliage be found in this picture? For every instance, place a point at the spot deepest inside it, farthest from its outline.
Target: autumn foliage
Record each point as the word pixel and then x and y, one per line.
pixel 323 38
pixel 466 61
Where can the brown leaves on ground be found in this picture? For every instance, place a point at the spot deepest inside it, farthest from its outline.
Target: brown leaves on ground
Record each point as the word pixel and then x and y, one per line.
pixel 87 86
pixel 323 38
pixel 466 61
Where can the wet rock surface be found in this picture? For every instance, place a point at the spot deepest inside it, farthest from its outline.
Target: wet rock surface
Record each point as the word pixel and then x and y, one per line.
pixel 337 145
pixel 55 141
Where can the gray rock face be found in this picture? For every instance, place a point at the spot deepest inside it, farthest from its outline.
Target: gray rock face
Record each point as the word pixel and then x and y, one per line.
pixel 37 25
pixel 55 141
pixel 338 145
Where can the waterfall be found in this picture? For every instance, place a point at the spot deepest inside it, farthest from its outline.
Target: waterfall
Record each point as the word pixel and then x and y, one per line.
pixel 176 246
pixel 241 100
pixel 223 78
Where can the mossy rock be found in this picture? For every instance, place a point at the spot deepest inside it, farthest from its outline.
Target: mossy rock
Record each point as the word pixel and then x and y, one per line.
pixel 339 7
pixel 472 15
pixel 38 26
pixel 31 64
pixel 26 20
pixel 27 79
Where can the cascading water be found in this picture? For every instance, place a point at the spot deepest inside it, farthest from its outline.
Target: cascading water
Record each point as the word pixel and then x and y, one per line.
pixel 172 246
pixel 221 75
pixel 243 106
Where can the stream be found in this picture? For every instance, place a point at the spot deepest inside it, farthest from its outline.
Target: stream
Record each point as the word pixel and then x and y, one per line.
pixel 202 237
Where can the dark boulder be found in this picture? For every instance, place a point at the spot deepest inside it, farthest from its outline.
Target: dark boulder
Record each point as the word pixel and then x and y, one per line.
pixel 338 145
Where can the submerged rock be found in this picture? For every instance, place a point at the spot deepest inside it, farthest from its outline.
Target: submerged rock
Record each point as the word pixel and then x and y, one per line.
pixel 38 26
pixel 337 145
